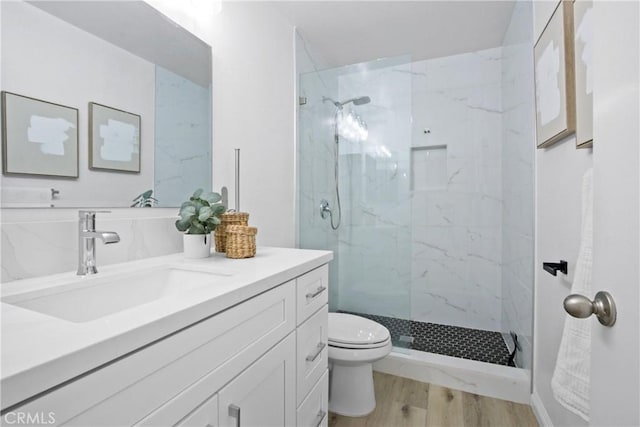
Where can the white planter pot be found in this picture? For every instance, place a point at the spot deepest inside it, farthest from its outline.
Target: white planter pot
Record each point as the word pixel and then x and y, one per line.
pixel 197 245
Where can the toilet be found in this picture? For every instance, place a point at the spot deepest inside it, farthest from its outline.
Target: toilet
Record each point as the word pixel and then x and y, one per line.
pixel 354 344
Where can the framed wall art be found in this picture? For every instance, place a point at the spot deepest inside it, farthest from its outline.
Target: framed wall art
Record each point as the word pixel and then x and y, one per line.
pixel 114 139
pixel 555 78
pixel 583 46
pixel 38 137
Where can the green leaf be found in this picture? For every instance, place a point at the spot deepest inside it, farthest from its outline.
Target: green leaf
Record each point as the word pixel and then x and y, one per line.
pixel 182 225
pixel 197 193
pixel 219 209
pixel 196 228
pixel 215 220
pixel 147 194
pixel 198 204
pixel 187 203
pixel 211 197
pixel 187 212
pixel 205 213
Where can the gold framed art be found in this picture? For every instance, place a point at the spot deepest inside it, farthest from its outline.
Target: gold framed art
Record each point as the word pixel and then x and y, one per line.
pixel 38 137
pixel 555 78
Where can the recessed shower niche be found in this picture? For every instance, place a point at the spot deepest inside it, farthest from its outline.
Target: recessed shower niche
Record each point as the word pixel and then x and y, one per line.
pixel 429 168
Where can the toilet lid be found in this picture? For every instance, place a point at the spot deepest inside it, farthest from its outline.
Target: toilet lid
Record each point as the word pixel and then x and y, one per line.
pixel 355 330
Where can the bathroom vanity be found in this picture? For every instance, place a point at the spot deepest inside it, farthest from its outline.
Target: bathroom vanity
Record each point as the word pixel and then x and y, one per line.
pixel 217 342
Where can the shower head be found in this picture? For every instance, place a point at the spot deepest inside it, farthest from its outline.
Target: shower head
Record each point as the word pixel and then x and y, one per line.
pixel 358 101
pixel 361 100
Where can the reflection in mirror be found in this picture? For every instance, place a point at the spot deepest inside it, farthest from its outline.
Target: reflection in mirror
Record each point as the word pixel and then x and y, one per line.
pixel 128 57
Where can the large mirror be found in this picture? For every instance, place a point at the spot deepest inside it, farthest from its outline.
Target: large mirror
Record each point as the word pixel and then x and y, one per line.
pixel 141 85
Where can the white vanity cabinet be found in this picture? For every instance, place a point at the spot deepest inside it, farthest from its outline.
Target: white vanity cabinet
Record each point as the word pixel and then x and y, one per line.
pixel 260 362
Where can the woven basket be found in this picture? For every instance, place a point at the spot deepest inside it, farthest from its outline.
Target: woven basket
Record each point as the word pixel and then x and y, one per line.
pixel 241 241
pixel 229 218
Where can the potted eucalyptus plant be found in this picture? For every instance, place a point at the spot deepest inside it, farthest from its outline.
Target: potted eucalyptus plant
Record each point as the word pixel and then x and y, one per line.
pixel 199 216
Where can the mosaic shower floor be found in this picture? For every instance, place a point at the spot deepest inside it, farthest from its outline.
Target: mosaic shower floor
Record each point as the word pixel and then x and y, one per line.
pixel 465 343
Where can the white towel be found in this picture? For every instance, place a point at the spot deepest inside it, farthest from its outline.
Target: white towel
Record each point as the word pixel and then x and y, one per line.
pixel 26 197
pixel 571 378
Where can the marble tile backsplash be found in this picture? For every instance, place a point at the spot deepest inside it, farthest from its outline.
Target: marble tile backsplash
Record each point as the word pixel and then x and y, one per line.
pixel 39 242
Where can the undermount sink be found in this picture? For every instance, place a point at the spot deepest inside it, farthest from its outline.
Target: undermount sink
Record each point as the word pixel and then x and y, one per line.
pixel 90 298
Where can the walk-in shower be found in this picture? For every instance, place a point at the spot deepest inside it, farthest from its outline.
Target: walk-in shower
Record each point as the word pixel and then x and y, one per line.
pixel 433 227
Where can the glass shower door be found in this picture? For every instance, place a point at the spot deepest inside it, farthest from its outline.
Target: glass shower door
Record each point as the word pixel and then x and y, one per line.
pixel 369 107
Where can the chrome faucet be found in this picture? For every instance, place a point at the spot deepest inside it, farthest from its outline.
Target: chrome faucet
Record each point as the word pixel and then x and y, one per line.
pixel 87 235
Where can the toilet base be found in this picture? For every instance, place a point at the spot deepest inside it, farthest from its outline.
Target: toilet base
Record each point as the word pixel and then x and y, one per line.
pixel 351 390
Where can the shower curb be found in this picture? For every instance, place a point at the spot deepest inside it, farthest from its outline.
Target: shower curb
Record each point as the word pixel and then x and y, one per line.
pixel 486 379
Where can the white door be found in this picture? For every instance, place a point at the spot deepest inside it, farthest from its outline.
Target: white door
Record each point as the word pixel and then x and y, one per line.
pixel 615 360
pixel 264 394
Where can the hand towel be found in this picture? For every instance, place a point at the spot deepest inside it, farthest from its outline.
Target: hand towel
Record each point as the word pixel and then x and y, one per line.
pixel 26 197
pixel 571 378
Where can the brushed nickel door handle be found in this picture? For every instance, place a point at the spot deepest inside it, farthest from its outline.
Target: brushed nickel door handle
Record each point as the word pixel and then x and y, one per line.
pixel 602 306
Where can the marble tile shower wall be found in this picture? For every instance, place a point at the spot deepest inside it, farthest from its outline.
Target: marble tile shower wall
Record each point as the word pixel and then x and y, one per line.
pixel 39 242
pixel 518 181
pixel 456 244
pixel 182 147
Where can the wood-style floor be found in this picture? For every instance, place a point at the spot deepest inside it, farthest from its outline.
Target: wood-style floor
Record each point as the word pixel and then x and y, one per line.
pixel 405 402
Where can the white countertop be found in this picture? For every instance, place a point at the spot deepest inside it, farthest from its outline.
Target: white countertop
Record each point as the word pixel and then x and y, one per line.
pixel 41 351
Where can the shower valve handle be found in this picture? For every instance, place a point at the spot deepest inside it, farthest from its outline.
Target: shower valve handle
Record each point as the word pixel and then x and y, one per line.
pixel 324 209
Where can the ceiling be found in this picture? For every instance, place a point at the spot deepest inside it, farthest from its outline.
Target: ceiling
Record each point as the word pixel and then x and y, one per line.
pixel 348 32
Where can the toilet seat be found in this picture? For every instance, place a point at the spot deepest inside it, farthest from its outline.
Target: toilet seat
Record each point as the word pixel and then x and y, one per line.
pixel 357 346
pixel 355 332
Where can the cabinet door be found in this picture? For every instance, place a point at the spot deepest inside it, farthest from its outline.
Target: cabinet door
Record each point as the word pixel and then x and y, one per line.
pixel 205 416
pixel 263 394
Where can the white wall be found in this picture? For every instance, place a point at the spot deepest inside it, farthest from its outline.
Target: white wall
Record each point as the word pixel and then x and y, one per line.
pixel 253 109
pixel 559 171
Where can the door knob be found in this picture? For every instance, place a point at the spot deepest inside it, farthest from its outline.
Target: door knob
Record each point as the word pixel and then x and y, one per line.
pixel 602 306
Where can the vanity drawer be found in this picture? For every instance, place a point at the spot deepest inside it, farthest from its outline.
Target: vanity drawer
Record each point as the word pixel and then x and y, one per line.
pixel 312 292
pixel 129 389
pixel 312 351
pixel 314 410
